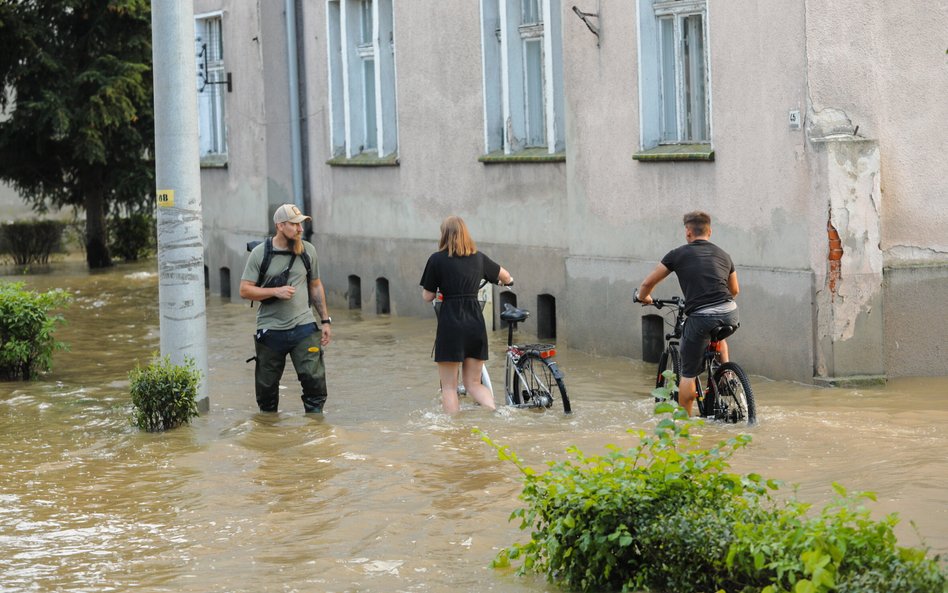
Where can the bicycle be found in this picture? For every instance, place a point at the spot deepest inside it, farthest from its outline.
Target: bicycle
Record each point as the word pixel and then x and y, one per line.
pixel 531 373
pixel 727 395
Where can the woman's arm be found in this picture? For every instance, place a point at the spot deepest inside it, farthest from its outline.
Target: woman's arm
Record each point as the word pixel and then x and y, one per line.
pixel 504 276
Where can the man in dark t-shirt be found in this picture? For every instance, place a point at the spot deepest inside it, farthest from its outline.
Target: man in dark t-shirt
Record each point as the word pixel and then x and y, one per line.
pixel 709 284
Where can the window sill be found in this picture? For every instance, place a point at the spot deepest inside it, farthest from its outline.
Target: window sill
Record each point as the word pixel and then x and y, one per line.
pixel 214 161
pixel 529 155
pixel 365 159
pixel 676 152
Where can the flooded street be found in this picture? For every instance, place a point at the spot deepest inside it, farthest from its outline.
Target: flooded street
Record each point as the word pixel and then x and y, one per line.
pixel 382 494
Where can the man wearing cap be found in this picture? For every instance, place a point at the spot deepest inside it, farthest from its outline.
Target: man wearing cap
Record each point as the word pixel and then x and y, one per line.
pixel 285 321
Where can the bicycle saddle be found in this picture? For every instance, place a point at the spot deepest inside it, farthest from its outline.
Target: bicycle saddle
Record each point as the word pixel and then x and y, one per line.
pixel 723 331
pixel 511 314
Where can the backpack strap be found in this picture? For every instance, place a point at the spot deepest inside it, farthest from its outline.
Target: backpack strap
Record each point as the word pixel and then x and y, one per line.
pixel 309 275
pixel 268 256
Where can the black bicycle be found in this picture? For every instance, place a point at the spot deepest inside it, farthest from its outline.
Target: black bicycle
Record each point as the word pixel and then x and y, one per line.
pixel 727 395
pixel 532 378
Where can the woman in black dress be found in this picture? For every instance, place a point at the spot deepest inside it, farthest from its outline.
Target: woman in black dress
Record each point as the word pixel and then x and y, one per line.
pixel 457 269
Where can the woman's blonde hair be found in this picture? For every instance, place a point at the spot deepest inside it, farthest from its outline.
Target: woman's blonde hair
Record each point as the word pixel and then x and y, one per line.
pixel 455 238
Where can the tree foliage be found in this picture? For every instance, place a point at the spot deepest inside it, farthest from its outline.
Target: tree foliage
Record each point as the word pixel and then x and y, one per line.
pixel 77 123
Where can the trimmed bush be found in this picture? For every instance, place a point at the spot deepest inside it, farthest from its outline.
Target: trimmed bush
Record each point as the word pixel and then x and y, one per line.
pixel 132 237
pixel 164 394
pixel 26 330
pixel 666 515
pixel 31 241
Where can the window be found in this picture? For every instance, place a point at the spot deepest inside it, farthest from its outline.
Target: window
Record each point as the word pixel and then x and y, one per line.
pixel 361 78
pixel 523 75
pixel 674 78
pixel 211 83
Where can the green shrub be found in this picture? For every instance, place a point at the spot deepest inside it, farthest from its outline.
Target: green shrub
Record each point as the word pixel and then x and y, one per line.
pixel 26 330
pixel 31 241
pixel 132 237
pixel 666 515
pixel 164 394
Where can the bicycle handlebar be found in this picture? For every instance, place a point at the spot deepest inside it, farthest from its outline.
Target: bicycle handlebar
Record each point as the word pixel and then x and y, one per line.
pixel 676 301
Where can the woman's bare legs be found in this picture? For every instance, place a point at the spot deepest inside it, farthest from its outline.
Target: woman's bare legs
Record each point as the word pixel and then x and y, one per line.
pixel 448 373
pixel 471 373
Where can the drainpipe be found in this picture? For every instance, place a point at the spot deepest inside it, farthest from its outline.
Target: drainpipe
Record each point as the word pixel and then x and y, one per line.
pixel 296 156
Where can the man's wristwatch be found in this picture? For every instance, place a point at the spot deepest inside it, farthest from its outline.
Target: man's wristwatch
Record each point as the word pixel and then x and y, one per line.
pixel 327 321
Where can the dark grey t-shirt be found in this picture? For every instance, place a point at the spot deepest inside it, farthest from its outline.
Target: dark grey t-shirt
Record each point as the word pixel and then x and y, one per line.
pixel 702 269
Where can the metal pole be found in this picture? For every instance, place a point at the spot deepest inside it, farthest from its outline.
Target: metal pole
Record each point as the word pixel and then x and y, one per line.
pixel 182 312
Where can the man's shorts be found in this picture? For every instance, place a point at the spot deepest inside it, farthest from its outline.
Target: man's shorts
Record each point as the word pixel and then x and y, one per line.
pixel 696 337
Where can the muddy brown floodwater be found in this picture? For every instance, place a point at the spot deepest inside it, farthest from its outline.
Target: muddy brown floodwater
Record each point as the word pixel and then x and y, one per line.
pixel 382 494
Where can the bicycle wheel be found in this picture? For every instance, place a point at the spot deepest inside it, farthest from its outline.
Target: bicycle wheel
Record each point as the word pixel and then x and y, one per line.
pixel 485 379
pixel 670 360
pixel 735 402
pixel 542 383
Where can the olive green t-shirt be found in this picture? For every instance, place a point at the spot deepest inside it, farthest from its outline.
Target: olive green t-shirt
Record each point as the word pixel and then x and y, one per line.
pixel 290 313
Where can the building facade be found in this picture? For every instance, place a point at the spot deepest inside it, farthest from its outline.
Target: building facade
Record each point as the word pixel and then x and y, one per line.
pixel 572 140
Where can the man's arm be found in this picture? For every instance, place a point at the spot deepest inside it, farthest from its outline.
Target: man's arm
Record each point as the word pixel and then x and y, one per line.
pixel 250 291
pixel 318 294
pixel 654 277
pixel 732 284
pixel 427 295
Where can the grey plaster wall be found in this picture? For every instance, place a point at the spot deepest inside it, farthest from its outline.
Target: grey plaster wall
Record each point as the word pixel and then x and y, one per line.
pixel 535 271
pixel 916 325
pixel 625 215
pixel 586 231
pixel 239 199
pixel 884 65
pixel 384 221
pixel 440 128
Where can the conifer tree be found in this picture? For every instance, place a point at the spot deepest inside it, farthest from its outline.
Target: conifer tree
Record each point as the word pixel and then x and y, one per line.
pixel 76 107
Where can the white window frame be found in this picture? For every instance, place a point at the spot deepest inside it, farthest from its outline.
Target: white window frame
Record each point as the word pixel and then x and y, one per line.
pixel 362 89
pixel 654 86
pixel 212 122
pixel 512 120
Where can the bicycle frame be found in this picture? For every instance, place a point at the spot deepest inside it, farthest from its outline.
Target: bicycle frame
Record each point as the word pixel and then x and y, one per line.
pixel 673 340
pixel 711 402
pixel 531 378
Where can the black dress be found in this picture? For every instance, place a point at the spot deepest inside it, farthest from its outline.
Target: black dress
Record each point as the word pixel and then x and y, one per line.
pixel 461 331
